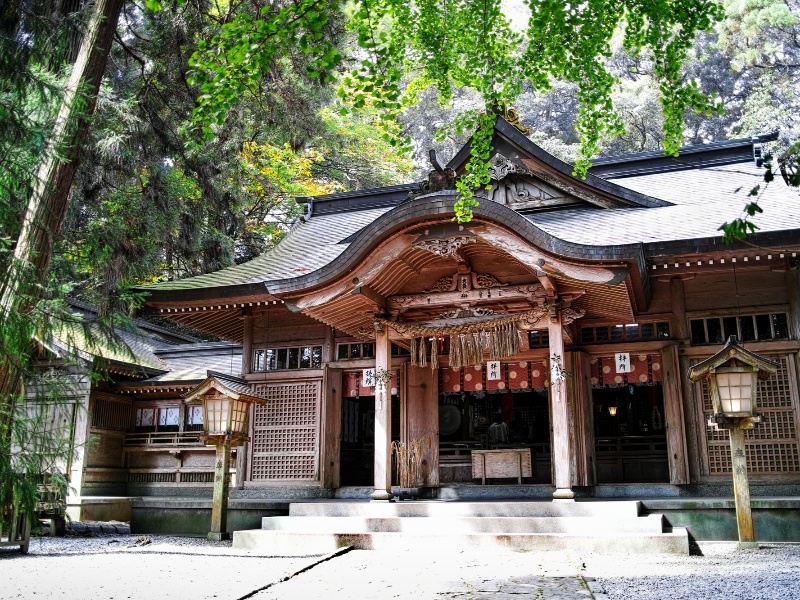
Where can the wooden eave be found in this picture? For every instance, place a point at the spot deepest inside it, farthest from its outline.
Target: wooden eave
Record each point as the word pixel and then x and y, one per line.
pixel 743 261
pixel 438 207
pixel 116 367
pixel 221 317
pixel 346 305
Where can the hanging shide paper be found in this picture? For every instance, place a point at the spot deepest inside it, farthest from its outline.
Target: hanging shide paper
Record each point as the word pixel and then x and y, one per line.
pixel 470 337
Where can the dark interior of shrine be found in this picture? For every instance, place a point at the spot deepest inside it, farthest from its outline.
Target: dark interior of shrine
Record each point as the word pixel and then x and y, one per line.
pixel 630 438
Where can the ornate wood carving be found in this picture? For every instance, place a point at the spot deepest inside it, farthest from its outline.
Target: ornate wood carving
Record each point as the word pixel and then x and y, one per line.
pixel 463 313
pixel 569 315
pixel 366 332
pixel 531 293
pixel 445 247
pixel 484 280
pixel 500 167
pixel 445 284
pixel 465 281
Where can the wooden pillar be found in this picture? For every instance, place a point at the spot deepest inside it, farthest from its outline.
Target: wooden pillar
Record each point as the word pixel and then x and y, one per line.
pixel 679 324
pixel 383 419
pixel 219 502
pixel 559 411
pixel 422 419
pixel 741 487
pixel 247 344
pixel 242 454
pixel 793 287
pixel 694 422
pixel 581 415
pixel 673 416
pixel 330 445
pixel 329 347
pixel 81 419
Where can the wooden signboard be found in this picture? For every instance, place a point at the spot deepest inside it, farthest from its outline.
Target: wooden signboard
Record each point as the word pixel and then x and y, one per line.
pixel 502 463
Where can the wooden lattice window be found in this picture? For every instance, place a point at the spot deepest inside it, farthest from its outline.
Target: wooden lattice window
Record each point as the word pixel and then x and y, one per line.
pixel 109 412
pixel 772 447
pixel 285 432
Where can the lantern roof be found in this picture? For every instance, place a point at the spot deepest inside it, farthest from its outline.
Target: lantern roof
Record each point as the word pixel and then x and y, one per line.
pixel 233 387
pixel 731 351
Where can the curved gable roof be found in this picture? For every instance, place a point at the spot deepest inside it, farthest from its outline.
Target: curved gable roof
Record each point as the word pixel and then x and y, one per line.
pixel 677 210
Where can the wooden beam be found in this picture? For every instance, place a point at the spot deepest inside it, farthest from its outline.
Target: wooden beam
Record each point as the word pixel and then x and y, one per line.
pixel 680 328
pixel 793 287
pixel 581 416
pixel 247 345
pixel 371 295
pixel 422 420
pixel 547 284
pixel 528 291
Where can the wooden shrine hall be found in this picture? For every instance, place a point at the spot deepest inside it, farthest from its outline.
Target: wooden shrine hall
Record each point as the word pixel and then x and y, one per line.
pixel 544 344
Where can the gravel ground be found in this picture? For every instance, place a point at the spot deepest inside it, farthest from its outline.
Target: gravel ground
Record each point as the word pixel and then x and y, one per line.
pixel 723 572
pixel 118 567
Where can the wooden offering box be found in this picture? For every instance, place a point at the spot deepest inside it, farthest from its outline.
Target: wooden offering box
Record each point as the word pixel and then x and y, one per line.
pixel 502 463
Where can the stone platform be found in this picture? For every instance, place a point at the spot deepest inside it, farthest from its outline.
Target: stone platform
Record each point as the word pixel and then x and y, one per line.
pixel 315 527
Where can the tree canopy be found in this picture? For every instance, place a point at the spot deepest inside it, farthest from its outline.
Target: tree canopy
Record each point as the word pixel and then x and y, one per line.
pixel 406 48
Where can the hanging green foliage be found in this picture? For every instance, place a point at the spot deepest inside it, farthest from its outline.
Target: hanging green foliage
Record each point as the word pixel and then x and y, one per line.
pixel 408 47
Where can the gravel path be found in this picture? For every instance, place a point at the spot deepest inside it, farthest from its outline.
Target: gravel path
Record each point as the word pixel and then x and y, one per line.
pixel 121 567
pixel 722 573
pixel 116 568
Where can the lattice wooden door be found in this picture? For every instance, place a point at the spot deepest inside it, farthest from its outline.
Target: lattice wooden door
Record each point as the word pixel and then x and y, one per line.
pixel 285 433
pixel 772 447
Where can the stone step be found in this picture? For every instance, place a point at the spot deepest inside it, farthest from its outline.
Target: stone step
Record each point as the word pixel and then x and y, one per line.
pixel 281 543
pixel 438 508
pixel 466 525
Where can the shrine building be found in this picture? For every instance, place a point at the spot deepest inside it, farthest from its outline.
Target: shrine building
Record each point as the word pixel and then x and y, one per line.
pixel 541 348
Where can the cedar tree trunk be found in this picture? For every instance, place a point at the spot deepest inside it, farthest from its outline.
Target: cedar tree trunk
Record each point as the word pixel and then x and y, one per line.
pixel 54 174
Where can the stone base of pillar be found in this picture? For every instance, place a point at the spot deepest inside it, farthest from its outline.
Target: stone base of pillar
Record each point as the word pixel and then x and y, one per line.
pixel 747 545
pixel 381 496
pixel 214 536
pixel 564 495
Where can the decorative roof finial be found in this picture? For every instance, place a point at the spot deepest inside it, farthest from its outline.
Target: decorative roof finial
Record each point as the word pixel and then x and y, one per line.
pixel 511 117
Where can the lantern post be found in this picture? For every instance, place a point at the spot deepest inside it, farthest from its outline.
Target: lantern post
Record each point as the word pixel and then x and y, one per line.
pixel 226 402
pixel 732 376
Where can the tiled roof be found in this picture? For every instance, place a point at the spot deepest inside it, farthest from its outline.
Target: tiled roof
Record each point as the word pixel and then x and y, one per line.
pixel 191 362
pixel 307 247
pixel 120 346
pixel 703 199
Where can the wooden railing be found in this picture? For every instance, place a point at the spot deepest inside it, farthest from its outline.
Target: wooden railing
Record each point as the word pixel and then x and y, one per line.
pixel 199 476
pixel 656 444
pixel 163 438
